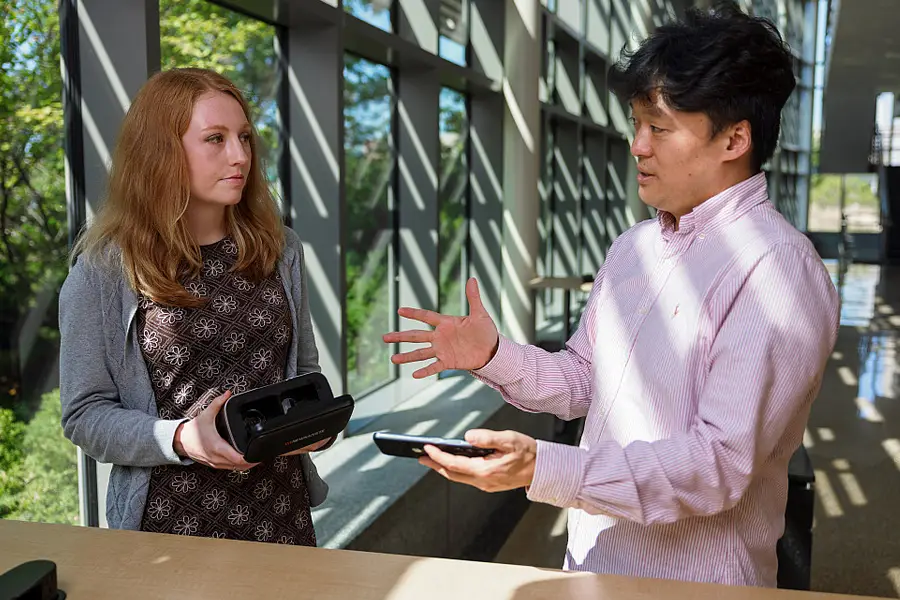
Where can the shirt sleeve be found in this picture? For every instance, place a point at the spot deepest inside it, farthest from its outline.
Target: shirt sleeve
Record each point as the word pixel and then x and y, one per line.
pixel 765 369
pixel 93 416
pixel 535 380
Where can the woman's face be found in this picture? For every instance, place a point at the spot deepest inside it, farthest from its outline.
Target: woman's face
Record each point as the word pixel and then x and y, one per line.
pixel 217 146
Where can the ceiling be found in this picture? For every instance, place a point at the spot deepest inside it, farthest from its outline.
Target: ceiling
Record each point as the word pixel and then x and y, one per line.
pixel 865 61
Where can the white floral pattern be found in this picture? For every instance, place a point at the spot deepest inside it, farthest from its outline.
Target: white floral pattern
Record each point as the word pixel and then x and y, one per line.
pixel 237 384
pixel 151 341
pixel 187 525
pixel 224 304
pixel 214 499
pixel 261 359
pixel 264 531
pixel 184 393
pixel 239 476
pixel 163 379
pixel 234 342
pixel 160 508
pixel 301 520
pixel 213 268
pixel 177 355
pixel 184 482
pixel 272 296
pixel 264 489
pixel 282 504
pixel 170 316
pixel 239 514
pixel 260 317
pixel 242 284
pixel 197 289
pixel 206 328
pixel 209 368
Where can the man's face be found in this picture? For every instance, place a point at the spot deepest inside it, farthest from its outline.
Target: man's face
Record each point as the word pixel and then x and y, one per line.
pixel 679 161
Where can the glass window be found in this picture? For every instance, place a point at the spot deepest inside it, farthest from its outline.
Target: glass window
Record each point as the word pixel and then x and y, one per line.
pixel 38 466
pixel 454 28
pixel 452 197
pixel 197 33
pixel 374 12
pixel 860 205
pixel 369 155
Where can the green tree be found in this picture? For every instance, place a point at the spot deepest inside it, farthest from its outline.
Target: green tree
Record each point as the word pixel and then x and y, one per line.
pixel 369 167
pixel 33 228
pixel 12 431
pixel 49 471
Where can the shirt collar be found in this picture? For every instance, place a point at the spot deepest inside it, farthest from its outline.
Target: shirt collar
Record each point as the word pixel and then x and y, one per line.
pixel 722 208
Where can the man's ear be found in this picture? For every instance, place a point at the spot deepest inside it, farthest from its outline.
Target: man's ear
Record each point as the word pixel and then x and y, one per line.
pixel 738 140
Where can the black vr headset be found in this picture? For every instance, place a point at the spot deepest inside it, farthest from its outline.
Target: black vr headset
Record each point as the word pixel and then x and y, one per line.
pixel 275 419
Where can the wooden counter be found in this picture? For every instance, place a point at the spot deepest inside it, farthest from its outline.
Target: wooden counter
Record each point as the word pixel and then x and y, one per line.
pixel 97 564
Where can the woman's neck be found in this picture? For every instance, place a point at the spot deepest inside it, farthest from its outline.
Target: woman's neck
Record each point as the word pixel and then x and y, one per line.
pixel 206 222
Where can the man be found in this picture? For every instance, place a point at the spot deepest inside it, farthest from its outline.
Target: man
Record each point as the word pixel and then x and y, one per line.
pixel 702 344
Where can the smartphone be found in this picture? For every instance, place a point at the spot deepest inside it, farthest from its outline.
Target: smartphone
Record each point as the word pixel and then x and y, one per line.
pixel 413 446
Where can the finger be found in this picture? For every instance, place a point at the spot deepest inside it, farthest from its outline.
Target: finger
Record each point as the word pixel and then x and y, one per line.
pixel 421 315
pixel 216 405
pixel 473 294
pixel 458 464
pixel 432 369
pixel 486 438
pixel 232 456
pixel 413 356
pixel 447 474
pixel 415 336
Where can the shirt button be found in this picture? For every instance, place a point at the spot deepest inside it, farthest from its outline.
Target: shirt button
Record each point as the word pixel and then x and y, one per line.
pixel 701 236
pixel 642 310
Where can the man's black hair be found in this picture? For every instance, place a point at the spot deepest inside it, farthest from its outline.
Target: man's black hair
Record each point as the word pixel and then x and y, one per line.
pixel 720 62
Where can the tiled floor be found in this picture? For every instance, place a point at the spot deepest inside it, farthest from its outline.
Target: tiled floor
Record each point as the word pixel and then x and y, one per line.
pixel 853 439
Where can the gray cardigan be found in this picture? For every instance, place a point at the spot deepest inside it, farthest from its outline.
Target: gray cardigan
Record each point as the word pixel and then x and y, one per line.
pixel 108 406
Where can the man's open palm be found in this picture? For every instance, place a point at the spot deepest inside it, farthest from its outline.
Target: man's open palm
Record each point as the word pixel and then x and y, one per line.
pixel 466 343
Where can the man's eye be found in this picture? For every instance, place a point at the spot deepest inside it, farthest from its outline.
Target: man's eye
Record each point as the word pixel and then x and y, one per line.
pixel 655 129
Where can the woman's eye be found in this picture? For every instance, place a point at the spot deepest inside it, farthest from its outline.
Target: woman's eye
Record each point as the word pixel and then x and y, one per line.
pixel 215 139
pixel 245 137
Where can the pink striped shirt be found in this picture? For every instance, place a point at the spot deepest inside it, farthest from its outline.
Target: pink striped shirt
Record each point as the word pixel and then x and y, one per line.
pixel 696 361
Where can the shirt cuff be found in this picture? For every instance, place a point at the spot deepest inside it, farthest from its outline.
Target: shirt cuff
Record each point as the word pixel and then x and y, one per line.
pixel 164 432
pixel 505 366
pixel 558 474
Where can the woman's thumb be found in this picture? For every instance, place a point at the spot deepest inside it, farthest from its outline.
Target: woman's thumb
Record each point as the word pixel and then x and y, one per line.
pixel 216 405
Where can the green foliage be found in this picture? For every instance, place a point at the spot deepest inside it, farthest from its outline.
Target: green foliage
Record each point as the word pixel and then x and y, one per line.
pixel 826 190
pixel 11 434
pixel 33 231
pixel 39 481
pixel 369 165
pixel 452 230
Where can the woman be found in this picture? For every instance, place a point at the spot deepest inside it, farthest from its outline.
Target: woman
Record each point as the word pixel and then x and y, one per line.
pixel 187 288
